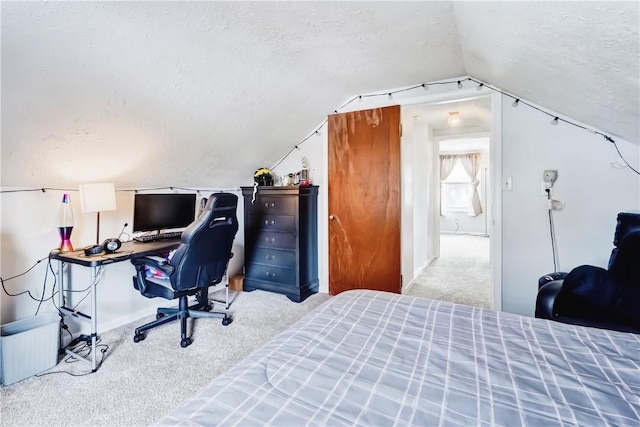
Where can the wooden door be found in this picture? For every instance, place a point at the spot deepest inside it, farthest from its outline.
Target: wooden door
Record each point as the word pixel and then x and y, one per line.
pixel 364 200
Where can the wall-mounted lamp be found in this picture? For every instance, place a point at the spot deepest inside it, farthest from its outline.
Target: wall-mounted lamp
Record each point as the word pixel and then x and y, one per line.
pixel 97 198
pixel 454 118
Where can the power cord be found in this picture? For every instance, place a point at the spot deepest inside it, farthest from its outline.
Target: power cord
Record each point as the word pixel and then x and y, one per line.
pixel 552 232
pixel 42 299
pixel 80 348
pixel 44 285
pixel 78 345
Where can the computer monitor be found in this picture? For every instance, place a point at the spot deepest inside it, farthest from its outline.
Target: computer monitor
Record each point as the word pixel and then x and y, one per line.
pixel 163 211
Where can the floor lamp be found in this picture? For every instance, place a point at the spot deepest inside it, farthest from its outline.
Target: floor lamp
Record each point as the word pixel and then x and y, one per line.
pixel 97 198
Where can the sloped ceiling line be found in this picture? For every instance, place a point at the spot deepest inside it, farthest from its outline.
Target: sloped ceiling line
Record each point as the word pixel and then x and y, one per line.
pixel 556 118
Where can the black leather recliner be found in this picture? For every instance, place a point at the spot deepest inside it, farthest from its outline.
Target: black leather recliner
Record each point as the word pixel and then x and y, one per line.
pixel 593 296
pixel 200 261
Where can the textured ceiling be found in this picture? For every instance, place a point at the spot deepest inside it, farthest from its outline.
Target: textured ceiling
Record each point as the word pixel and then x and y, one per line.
pixel 202 93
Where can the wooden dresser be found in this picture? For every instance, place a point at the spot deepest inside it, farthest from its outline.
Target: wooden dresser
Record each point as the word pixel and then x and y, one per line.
pixel 281 240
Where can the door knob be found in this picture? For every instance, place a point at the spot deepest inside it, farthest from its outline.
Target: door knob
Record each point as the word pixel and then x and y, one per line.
pixel 331 217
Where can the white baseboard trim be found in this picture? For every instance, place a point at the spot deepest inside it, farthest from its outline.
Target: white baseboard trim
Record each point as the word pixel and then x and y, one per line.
pixel 417 272
pixel 469 233
pixel 132 317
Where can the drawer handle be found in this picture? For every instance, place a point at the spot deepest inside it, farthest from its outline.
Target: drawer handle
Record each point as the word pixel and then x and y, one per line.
pixel 267 222
pixel 270 274
pixel 270 257
pixel 270 239
pixel 269 205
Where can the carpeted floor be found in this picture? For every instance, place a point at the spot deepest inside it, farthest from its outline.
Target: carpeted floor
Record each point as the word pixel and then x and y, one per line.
pixel 461 274
pixel 138 383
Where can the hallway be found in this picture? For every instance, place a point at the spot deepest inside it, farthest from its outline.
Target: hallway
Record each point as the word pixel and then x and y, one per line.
pixel 461 274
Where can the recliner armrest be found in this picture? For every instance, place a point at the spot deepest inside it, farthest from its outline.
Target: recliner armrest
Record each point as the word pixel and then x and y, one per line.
pixel 546 298
pixel 551 277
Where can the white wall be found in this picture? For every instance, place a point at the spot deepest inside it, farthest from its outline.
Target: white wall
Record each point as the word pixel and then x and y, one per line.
pixel 423 171
pixel 593 191
pixel 415 197
pixel 408 193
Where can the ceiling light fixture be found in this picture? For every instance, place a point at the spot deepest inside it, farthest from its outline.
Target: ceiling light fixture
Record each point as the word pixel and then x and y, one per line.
pixel 454 118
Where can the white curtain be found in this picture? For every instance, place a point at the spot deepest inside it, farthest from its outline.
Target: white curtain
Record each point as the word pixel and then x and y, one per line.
pixel 471 164
pixel 447 162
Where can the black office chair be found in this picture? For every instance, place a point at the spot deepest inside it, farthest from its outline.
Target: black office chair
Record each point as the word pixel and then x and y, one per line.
pixel 200 261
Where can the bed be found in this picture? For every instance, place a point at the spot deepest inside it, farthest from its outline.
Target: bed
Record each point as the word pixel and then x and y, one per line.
pixel 369 358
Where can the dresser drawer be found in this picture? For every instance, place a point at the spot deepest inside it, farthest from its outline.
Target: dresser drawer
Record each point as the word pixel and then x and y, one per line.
pixel 268 239
pixel 274 257
pixel 276 205
pixel 273 222
pixel 269 273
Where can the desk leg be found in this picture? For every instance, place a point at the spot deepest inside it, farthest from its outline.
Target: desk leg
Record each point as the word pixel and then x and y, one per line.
pixel 94 319
pixel 61 304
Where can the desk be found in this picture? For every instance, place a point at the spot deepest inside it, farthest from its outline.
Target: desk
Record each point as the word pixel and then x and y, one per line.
pixel 128 251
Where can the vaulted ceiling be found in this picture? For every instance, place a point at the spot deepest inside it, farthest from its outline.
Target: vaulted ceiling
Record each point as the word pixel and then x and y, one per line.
pixel 203 93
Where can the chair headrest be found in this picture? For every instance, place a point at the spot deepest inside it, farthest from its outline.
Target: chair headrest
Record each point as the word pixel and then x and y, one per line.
pixel 628 222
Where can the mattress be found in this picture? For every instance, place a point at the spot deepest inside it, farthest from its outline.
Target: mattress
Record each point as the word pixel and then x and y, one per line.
pixel 369 358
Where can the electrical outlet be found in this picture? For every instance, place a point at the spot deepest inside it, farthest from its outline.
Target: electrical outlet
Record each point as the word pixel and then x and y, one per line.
pixel 544 188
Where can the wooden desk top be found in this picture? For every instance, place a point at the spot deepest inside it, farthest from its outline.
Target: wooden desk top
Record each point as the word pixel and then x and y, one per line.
pixel 128 251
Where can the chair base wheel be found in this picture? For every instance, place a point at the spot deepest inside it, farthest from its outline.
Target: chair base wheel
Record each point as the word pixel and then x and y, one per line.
pixel 139 337
pixel 226 321
pixel 186 342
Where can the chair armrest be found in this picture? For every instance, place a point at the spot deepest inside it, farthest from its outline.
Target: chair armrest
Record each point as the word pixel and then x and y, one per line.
pixel 153 261
pixel 551 277
pixel 546 298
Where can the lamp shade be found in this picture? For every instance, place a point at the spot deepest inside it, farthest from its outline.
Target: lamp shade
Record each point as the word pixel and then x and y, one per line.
pixel 97 197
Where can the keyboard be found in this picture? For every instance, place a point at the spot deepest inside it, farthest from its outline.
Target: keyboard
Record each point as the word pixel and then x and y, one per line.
pixel 155 237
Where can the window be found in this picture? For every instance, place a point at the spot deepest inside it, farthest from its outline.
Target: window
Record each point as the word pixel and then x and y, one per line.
pixel 456 190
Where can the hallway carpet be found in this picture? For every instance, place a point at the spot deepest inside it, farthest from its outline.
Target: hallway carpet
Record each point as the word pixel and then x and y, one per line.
pixel 461 274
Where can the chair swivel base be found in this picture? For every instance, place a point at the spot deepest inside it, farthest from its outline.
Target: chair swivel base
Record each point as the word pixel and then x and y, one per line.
pixel 166 315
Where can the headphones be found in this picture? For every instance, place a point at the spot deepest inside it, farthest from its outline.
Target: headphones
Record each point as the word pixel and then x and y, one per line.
pixel 109 246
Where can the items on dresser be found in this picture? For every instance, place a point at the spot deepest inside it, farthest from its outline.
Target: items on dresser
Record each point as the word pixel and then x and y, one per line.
pixel 281 240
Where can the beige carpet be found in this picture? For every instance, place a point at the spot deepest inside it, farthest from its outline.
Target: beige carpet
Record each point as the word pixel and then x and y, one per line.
pixel 138 383
pixel 461 274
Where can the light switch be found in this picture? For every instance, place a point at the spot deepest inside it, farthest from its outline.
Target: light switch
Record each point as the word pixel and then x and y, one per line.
pixel 507 184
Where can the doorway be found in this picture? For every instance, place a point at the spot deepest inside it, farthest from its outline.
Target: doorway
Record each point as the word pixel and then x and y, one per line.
pixel 454 241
